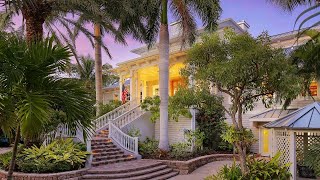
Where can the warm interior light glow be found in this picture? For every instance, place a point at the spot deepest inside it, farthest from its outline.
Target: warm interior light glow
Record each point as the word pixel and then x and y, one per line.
pixel 265 140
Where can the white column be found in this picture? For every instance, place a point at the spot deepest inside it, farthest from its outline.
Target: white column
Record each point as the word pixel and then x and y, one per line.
pixel 131 85
pixel 293 166
pixel 120 87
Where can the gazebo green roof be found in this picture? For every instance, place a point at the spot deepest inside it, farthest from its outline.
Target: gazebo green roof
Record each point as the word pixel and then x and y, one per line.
pixel 306 118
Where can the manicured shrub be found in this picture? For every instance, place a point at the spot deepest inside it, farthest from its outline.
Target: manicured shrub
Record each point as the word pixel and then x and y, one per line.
pixel 180 150
pixel 148 148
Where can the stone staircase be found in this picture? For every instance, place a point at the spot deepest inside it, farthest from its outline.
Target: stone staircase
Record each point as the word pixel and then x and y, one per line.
pixel 132 170
pixel 104 151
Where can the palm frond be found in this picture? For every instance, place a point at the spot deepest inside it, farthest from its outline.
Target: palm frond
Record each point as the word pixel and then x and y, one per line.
pixel 290 5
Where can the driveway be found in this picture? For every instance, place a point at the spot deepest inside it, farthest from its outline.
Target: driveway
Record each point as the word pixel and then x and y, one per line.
pixel 203 171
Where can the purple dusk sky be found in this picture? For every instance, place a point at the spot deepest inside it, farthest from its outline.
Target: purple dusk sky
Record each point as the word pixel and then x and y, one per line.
pixel 259 14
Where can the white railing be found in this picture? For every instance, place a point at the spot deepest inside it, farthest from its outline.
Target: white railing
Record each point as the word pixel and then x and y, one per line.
pixel 61 131
pixel 125 141
pixel 103 120
pixel 128 117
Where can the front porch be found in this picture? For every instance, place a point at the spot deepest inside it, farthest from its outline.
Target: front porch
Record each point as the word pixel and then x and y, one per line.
pixel 143 74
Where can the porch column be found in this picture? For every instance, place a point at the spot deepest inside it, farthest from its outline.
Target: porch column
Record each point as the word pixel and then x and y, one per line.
pixel 293 167
pixel 120 87
pixel 131 85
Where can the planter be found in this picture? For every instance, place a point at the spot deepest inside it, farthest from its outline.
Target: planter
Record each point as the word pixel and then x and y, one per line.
pixel 69 175
pixel 187 167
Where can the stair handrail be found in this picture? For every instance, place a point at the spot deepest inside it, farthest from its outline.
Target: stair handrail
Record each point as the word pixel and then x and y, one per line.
pixel 128 117
pixel 125 141
pixel 102 121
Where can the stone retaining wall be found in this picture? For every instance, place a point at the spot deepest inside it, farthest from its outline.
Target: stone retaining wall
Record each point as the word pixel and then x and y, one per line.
pixel 70 175
pixel 187 167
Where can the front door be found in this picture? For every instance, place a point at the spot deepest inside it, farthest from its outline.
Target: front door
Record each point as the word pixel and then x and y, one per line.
pixel 265 142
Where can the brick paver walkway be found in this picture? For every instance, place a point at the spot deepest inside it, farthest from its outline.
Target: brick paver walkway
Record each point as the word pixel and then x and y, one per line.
pixel 125 165
pixel 4 150
pixel 204 171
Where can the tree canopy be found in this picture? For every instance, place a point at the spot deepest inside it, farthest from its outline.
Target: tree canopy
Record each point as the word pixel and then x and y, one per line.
pixel 245 68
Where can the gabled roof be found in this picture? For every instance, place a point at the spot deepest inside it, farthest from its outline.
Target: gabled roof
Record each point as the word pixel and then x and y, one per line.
pixel 305 118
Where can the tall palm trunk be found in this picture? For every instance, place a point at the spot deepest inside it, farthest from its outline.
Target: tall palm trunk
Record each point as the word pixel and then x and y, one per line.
pixel 14 153
pixel 98 67
pixel 164 77
pixel 34 28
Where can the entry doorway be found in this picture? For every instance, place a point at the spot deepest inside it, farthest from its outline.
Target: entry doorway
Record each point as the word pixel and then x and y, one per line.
pixel 265 142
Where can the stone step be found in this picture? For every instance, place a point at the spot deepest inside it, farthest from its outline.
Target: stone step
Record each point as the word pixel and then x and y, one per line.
pixel 105 150
pixel 101 158
pixel 101 142
pixel 111 161
pixel 107 153
pixel 102 170
pixel 151 175
pixel 166 176
pixel 128 174
pixel 103 146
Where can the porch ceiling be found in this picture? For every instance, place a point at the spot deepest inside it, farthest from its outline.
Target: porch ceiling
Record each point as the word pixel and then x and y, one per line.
pixel 152 73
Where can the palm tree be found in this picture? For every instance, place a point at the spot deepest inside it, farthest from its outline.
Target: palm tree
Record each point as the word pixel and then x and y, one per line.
pixel 30 90
pixel 310 13
pixel 290 5
pixel 98 68
pixel 208 11
pixel 105 14
pixel 87 74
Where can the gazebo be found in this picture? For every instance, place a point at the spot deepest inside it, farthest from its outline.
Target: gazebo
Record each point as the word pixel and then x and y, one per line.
pixel 294 133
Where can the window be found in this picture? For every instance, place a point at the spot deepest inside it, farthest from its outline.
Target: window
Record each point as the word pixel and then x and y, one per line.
pixel 314 88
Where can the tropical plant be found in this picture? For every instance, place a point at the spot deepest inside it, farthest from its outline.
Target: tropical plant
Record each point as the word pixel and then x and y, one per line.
pixel 258 169
pixel 30 89
pixel 65 20
pixel 247 70
pixel 105 108
pixel 180 150
pixel 267 169
pixel 152 104
pixel 134 132
pixel 86 72
pixel 232 172
pixel 58 156
pixel 148 148
pixel 184 11
pixel 306 59
pixel 195 139
pixel 312 158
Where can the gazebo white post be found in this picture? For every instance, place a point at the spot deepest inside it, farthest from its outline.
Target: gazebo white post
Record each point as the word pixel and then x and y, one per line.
pixel 293 166
pixel 274 142
pixel 192 110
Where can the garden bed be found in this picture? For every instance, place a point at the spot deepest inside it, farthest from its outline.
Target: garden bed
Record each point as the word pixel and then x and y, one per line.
pixel 74 175
pixel 187 167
